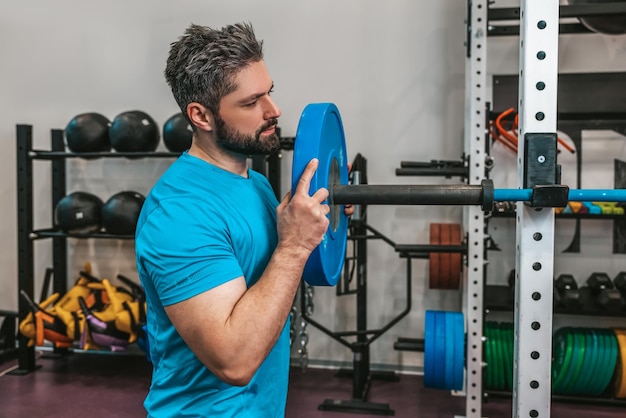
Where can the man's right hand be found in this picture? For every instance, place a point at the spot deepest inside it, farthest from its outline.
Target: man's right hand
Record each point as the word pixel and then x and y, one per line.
pixel 302 220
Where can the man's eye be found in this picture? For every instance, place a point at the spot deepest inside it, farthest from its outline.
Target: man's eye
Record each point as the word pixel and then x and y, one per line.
pixel 251 104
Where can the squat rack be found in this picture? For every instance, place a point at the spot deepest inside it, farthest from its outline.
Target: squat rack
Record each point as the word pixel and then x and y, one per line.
pixel 539 31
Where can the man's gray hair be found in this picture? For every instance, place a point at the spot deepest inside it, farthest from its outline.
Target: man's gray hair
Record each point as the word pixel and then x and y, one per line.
pixel 203 62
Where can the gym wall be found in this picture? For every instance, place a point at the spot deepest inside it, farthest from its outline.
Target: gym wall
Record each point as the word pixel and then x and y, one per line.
pixel 396 71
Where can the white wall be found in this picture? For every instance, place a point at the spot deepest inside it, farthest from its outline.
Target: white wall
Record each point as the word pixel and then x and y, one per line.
pixel 394 68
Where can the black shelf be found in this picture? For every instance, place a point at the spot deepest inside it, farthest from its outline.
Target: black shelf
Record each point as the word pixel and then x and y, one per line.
pixel 51 233
pixel 54 155
pixel 591 10
pixel 500 298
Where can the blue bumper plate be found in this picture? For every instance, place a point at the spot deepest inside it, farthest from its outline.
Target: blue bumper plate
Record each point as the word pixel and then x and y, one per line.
pixel 444 350
pixel 320 135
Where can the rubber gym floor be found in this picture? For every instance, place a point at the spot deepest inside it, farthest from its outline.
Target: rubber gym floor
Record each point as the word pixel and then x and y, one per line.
pixel 111 386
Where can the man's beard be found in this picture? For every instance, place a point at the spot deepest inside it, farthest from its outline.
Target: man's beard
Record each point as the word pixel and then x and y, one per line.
pixel 239 143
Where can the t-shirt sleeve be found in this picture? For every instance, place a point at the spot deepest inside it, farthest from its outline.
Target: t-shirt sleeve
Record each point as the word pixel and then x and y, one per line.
pixel 185 246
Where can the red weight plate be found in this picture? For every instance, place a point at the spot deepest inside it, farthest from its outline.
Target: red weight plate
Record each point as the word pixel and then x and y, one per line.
pixel 444 266
pixel 434 259
pixel 456 259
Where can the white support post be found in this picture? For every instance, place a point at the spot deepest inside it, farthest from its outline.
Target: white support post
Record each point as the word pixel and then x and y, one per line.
pixel 539 30
pixel 475 131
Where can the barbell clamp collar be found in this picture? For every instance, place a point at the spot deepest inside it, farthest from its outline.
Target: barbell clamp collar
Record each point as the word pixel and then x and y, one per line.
pixel 487 195
pixel 549 196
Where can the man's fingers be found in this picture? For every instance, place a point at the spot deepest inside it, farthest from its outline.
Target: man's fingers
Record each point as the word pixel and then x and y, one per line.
pixel 320 195
pixel 305 179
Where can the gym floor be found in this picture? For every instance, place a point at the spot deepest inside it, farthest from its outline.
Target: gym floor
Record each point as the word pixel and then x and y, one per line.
pixel 111 386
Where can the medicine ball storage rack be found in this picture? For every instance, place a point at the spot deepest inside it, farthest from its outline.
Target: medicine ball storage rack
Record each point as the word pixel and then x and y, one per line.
pixel 57 157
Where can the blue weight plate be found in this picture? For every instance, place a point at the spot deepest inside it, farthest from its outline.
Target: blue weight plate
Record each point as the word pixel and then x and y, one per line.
pixel 435 350
pixel 459 351
pixel 429 349
pixel 320 135
pixel 450 331
pixel 440 350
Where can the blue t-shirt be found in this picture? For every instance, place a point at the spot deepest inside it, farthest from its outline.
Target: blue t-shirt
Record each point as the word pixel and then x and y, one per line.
pixel 200 227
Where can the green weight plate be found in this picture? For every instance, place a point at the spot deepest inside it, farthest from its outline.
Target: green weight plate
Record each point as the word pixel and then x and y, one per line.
pixel 577 361
pixel 589 386
pixel 507 337
pixel 501 377
pixel 594 386
pixel 578 357
pixel 591 343
pixel 493 363
pixel 615 352
pixel 488 370
pixel 603 372
pixel 610 360
pixel 562 357
pixel 596 362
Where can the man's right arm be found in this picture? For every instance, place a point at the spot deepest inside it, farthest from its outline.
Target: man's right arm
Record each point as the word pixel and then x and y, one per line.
pixel 231 328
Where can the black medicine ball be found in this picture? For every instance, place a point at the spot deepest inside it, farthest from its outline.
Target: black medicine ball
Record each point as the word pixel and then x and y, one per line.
pixel 134 131
pixel 88 132
pixel 121 212
pixel 79 213
pixel 177 133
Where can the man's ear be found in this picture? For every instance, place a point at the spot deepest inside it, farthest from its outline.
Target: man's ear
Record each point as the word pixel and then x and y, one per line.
pixel 201 117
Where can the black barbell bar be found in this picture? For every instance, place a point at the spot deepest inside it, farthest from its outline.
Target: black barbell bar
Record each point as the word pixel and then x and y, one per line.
pixel 367 194
pixel 320 136
pixel 467 194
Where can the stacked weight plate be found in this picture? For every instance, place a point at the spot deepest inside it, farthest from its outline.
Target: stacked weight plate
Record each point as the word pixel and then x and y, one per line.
pixel 498 352
pixel 444 350
pixel 585 360
pixel 445 268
